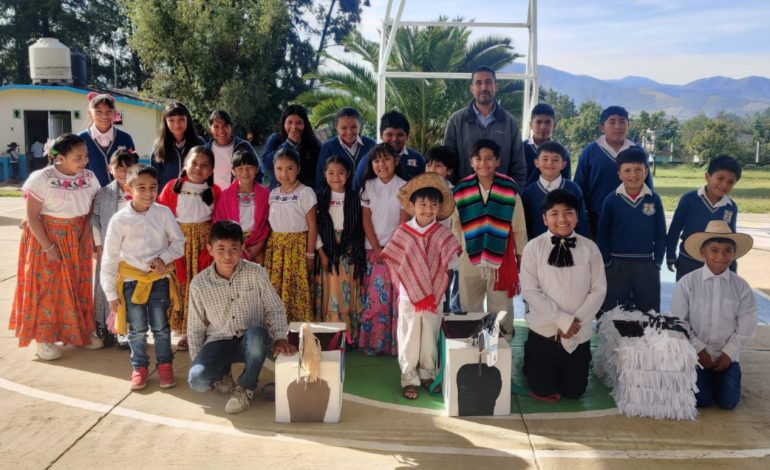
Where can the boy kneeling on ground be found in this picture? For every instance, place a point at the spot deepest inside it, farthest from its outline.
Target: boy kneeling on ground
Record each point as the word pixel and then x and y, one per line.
pixel 721 312
pixel 562 279
pixel 235 315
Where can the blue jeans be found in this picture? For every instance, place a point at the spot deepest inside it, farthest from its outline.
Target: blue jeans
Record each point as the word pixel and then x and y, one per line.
pixel 214 359
pixel 723 387
pixel 142 317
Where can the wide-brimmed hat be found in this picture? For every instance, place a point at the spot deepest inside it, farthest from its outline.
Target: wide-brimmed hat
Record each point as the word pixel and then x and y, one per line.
pixel 428 180
pixel 13 145
pixel 717 229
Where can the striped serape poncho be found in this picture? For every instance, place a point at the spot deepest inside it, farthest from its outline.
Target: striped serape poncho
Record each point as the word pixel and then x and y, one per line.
pixel 419 261
pixel 487 230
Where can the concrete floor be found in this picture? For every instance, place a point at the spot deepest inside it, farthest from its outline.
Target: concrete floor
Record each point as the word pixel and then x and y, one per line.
pixel 77 412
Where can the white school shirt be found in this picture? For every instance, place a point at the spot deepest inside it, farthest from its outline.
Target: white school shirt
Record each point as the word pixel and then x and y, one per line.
pixel 382 199
pixel 288 211
pixel 223 163
pixel 103 139
pixel 452 261
pixel 557 296
pixel 190 208
pixel 723 201
pixel 62 196
pixel 720 310
pixel 337 214
pixel 602 142
pixel 549 186
pixel 138 238
pixel 246 211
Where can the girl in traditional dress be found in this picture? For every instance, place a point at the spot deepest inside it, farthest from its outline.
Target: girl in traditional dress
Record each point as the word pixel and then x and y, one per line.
pixel 53 300
pixel 290 255
pixel 102 138
pixel 176 137
pixel 341 251
pixel 109 200
pixel 381 216
pixel 191 198
pixel 246 202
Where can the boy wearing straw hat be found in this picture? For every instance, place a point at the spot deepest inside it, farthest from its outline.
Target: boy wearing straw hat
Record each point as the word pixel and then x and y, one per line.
pixel 418 256
pixel 721 312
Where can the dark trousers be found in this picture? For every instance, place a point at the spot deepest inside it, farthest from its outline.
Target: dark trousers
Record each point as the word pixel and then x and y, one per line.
pixel 593 224
pixel 722 388
pixel 632 284
pixel 550 369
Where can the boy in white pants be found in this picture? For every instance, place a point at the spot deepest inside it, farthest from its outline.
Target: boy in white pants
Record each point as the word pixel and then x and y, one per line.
pixel 419 255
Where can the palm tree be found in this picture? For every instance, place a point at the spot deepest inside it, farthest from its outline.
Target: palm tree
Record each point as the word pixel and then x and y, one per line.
pixel 427 103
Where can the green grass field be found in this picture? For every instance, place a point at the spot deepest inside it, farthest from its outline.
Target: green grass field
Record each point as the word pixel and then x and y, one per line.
pixel 751 193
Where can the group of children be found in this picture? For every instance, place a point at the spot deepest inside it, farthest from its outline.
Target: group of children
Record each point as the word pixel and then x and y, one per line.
pixel 375 245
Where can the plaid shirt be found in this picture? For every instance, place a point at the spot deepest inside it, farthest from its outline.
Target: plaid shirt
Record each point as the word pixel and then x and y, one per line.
pixel 224 309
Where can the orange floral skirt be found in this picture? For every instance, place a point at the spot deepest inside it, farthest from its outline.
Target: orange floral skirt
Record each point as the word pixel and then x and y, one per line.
pixel 286 264
pixel 54 301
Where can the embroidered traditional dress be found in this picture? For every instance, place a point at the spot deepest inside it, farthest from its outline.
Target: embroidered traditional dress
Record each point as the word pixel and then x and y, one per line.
pixel 250 210
pixel 285 256
pixel 194 220
pixel 53 301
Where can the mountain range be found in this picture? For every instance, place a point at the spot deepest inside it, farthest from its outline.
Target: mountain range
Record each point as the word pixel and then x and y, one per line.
pixel 708 95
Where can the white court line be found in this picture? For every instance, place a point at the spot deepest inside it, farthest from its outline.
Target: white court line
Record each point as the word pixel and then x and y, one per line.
pixel 580 454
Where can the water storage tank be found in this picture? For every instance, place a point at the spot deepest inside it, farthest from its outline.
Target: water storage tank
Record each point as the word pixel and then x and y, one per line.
pixel 79 70
pixel 49 62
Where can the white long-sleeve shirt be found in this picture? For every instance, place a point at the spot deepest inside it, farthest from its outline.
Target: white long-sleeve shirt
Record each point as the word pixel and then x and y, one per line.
pixel 720 310
pixel 138 238
pixel 557 296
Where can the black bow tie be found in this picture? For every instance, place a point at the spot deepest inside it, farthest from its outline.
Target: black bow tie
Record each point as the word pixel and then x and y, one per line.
pixel 561 256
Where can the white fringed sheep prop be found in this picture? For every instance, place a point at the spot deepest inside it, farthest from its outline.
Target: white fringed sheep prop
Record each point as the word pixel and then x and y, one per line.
pixel 651 375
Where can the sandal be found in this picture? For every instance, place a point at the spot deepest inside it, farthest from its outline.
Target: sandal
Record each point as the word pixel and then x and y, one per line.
pixel 427 383
pixel 410 392
pixel 182 344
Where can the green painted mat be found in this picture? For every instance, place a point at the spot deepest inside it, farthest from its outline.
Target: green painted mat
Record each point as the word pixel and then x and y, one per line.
pixel 377 378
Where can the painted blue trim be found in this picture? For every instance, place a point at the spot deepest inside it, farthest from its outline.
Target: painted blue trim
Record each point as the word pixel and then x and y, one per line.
pixel 120 99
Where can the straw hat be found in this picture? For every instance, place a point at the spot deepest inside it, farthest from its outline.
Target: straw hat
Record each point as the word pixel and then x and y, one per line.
pixel 717 229
pixel 428 180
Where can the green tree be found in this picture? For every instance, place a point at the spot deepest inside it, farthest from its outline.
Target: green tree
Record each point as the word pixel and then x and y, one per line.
pixel 581 129
pixel 718 136
pixel 426 103
pixel 228 54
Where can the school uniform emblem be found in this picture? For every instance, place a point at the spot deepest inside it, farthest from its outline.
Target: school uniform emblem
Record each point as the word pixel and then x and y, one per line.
pixel 728 216
pixel 411 162
pixel 648 208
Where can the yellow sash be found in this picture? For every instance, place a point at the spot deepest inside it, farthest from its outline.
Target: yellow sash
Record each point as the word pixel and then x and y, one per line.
pixel 142 292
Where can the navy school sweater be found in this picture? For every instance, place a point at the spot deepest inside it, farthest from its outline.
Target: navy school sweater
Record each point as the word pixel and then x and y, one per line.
pixel 597 176
pixel 530 155
pixel 692 215
pixel 632 229
pixel 172 167
pixel 409 166
pixel 99 159
pixel 333 147
pixel 532 198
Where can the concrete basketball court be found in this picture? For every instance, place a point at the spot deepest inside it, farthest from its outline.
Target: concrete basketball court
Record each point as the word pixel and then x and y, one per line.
pixel 77 412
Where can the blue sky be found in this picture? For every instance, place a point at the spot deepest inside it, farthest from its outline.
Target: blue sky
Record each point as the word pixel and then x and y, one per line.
pixel 671 41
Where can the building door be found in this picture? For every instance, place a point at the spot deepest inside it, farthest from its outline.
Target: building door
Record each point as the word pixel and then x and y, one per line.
pixel 35 127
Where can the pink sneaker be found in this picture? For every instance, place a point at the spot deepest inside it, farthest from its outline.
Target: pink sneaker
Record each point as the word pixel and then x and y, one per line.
pixel 139 378
pixel 166 374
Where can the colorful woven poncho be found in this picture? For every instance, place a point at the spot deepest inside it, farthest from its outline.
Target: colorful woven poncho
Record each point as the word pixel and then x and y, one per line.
pixel 487 228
